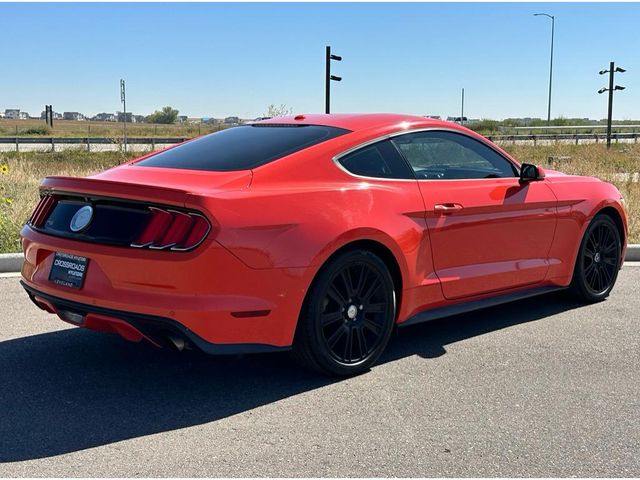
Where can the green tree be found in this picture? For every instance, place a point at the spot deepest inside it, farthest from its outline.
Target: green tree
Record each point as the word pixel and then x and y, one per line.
pixel 167 115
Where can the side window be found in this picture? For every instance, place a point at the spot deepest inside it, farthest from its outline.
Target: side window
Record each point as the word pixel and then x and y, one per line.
pixel 380 160
pixel 439 155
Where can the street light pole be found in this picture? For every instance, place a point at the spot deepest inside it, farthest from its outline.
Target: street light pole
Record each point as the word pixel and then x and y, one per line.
pixel 612 70
pixel 329 77
pixel 553 25
pixel 610 108
pixel 462 109
pixel 123 99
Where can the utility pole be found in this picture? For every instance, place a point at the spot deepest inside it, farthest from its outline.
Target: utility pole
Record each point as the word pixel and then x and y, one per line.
pixel 612 70
pixel 553 25
pixel 48 115
pixel 123 99
pixel 329 77
pixel 462 109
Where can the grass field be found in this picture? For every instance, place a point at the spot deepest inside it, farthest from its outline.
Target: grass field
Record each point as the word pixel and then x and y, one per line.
pixel 69 128
pixel 19 185
pixel 24 171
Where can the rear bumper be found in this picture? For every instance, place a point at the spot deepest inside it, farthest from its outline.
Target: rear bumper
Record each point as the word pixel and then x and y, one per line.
pixel 135 326
pixel 208 293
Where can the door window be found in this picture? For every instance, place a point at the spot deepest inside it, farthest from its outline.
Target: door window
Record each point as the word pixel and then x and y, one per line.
pixel 441 155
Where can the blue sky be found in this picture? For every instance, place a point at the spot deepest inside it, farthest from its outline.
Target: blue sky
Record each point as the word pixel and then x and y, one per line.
pixel 236 59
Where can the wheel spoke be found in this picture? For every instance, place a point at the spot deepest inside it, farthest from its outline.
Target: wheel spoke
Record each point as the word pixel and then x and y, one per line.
pixel 364 349
pixel 337 335
pixel 592 276
pixel 373 327
pixel 362 278
pixel 598 279
pixel 332 317
pixel 376 307
pixel 600 235
pixel 606 237
pixel 346 279
pixel 336 296
pixel 373 288
pixel 589 270
pixel 348 345
pixel 606 277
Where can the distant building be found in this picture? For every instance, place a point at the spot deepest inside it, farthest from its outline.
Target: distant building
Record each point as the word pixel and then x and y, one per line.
pixel 139 119
pixel 182 119
pixel 105 117
pixel 12 113
pixel 130 117
pixel 73 116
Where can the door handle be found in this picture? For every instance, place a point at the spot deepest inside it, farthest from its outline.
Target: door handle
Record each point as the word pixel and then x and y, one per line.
pixel 447 208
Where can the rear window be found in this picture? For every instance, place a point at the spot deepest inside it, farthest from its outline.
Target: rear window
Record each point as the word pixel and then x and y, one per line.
pixel 243 147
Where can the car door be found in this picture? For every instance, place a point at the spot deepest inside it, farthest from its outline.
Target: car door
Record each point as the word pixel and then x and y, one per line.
pixel 488 232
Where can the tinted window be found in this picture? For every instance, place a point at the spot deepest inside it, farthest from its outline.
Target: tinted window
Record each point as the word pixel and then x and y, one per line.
pixel 242 148
pixel 447 155
pixel 380 160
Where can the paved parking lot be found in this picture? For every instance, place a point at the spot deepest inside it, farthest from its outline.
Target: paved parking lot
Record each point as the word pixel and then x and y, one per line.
pixel 542 387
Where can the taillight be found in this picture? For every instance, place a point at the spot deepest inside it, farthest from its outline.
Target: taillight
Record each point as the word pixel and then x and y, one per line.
pixel 170 229
pixel 42 211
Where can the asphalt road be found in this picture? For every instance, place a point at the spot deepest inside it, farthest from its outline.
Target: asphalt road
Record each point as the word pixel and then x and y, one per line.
pixel 542 387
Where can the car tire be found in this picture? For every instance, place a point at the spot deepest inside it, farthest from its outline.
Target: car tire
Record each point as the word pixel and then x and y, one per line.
pixel 598 261
pixel 348 315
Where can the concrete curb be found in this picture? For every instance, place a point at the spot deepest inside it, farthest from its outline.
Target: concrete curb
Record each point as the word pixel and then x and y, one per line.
pixel 633 253
pixel 12 262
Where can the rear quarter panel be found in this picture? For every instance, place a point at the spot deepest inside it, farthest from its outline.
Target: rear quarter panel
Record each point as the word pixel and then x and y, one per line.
pixel 299 211
pixel 579 200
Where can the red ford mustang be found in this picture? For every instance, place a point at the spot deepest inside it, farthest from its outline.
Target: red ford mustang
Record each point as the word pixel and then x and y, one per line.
pixel 316 233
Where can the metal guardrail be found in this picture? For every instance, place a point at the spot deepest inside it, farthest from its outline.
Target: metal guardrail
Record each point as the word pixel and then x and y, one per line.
pixel 571 127
pixel 97 140
pixel 45 142
pixel 576 137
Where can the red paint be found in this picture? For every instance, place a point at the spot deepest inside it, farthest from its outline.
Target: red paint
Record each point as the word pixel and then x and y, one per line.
pixel 275 226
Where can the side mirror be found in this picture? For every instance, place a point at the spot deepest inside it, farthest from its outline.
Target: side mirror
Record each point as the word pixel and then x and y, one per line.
pixel 530 173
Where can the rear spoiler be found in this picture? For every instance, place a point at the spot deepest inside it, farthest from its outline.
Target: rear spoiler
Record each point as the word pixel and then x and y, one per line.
pixel 114 189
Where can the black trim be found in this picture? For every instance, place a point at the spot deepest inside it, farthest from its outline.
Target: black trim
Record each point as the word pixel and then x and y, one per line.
pixel 121 237
pixel 154 327
pixel 465 307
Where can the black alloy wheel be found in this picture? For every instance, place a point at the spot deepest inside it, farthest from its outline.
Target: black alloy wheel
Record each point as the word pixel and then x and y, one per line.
pixel 348 316
pixel 598 260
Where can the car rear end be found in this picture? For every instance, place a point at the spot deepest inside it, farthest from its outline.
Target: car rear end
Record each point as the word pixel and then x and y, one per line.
pixel 134 250
pixel 145 265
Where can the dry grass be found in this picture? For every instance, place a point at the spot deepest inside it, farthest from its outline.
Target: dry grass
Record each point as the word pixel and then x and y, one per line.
pixel 70 128
pixel 19 186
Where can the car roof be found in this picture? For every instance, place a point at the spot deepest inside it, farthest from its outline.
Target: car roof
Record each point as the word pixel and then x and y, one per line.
pixel 358 121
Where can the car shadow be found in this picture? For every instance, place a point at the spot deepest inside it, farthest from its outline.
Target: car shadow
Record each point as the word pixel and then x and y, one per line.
pixel 74 389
